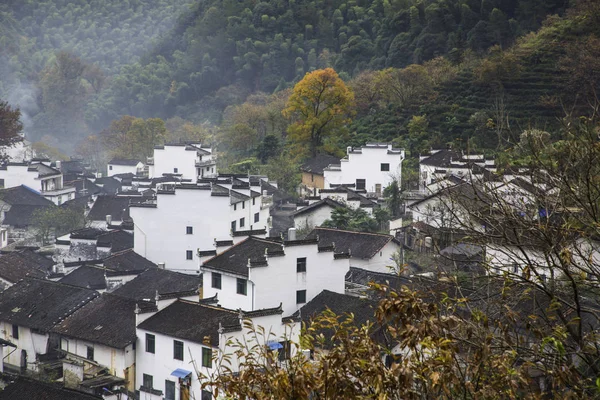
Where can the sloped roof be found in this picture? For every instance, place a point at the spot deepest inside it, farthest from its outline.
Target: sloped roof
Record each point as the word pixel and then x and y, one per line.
pixel 153 280
pixel 360 244
pixel 235 258
pixel 87 185
pixel 21 215
pixel 109 184
pixel 117 239
pixel 326 202
pixel 363 309
pixel 316 165
pixel 442 158
pixel 191 321
pixel 107 319
pixel 86 276
pixel 117 207
pixel 41 304
pixel 29 389
pixel 14 267
pixel 24 195
pixel 124 161
pixel 128 260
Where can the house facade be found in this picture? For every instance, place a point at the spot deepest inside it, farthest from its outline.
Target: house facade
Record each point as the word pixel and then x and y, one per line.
pixel 371 167
pixel 118 166
pixel 188 160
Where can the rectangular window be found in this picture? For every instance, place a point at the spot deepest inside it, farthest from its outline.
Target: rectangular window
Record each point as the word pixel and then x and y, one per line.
pixel 243 204
pixel 169 390
pixel 301 264
pixel 256 217
pixel 110 167
pixel 253 200
pixel 150 343
pixel 90 353
pixel 206 395
pixel 15 331
pixel 206 357
pixel 284 351
pixel 147 381
pixel 241 286
pixel 216 280
pixel 175 170
pixel 242 222
pixel 233 226
pixel 300 296
pixel 189 230
pixel 189 255
pixel 385 166
pixel 361 184
pixel 178 350
pixel 234 206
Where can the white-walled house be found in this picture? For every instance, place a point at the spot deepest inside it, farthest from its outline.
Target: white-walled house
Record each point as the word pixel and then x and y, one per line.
pixel 258 273
pixel 371 251
pixel 185 340
pixel 189 160
pixel 38 176
pixel 100 337
pixel 118 166
pixel 315 214
pixel 28 312
pixel 186 218
pixel 371 167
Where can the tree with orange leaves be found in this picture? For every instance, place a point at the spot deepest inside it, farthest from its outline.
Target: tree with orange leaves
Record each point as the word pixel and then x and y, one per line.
pixel 320 106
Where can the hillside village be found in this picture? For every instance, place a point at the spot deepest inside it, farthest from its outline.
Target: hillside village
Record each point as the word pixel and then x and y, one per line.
pixel 174 259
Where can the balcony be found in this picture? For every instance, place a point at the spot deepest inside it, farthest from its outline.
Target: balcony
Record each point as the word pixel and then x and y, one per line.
pixel 202 163
pixel 58 192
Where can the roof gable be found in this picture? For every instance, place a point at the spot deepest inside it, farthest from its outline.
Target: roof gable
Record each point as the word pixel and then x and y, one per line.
pixel 358 244
pixel 24 195
pixel 316 165
pixel 155 280
pixel 235 259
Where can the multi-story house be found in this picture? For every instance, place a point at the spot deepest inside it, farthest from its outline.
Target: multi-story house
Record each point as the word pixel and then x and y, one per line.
pixel 190 161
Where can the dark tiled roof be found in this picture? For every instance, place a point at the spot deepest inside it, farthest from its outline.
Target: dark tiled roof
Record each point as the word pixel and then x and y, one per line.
pixel 118 240
pixel 86 233
pixel 317 164
pixel 442 158
pixel 124 161
pixel 191 321
pixel 13 268
pixel 41 304
pixel 78 203
pixel 21 215
pixel 109 205
pixel 153 280
pixel 29 389
pixel 109 184
pixel 321 203
pixel 128 260
pixel 42 262
pixel 108 320
pixel 24 195
pixel 86 187
pixel 340 304
pixel 235 259
pixel 361 245
pixel 363 277
pixel 86 276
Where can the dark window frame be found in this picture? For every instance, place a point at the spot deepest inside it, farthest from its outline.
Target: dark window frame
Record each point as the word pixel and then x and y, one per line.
pixel 169 390
pixel 178 350
pixel 207 357
pixel 150 343
pixel 301 264
pixel 385 167
pixel 189 230
pixel 256 217
pixel 301 296
pixel 214 278
pixel 242 284
pixel 189 254
pixel 15 331
pixel 242 222
pixel 148 381
pixel 89 353
pixel 361 184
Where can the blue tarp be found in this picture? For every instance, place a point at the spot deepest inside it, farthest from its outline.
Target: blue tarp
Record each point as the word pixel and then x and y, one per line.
pixel 180 373
pixel 274 345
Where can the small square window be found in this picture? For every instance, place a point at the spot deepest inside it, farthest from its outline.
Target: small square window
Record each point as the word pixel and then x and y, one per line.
pixel 301 264
pixel 15 331
pixel 216 280
pixel 147 381
pixel 175 170
pixel 206 357
pixel 150 343
pixel 241 286
pixel 189 255
pixel 189 230
pixel 385 166
pixel 90 353
pixel 361 184
pixel 178 350
pixel 256 217
pixel 300 296
pixel 242 222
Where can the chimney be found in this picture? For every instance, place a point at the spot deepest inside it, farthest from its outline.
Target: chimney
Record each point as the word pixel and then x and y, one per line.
pixel 348 149
pixel 292 234
pixel 58 165
pixel 108 219
pixel 265 193
pixel 161 265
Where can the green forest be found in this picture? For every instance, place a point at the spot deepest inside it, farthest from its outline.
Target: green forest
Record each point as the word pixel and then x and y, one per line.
pixel 423 72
